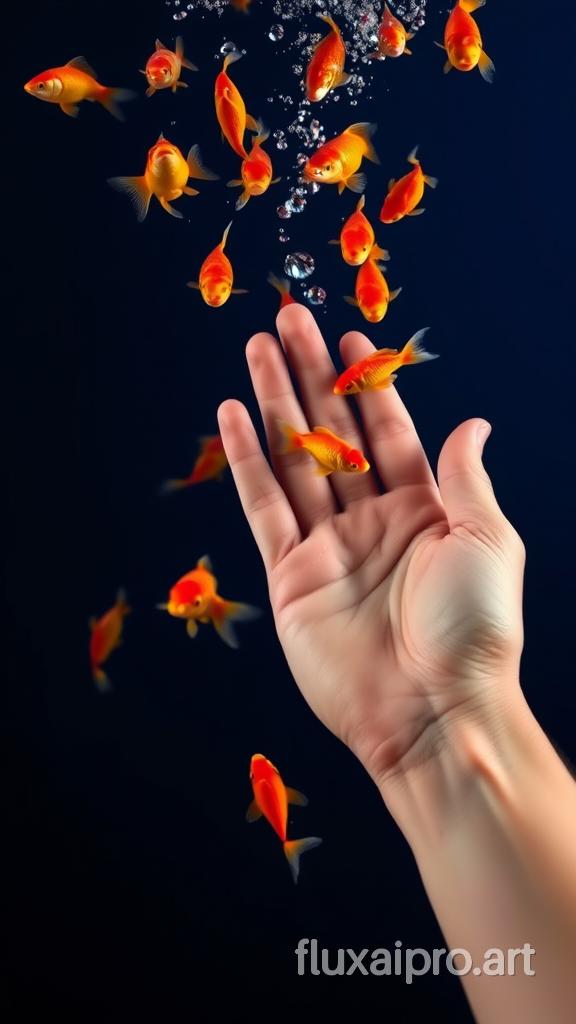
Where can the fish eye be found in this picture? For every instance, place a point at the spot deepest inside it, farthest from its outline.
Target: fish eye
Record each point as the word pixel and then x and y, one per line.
pixel 349 386
pixel 353 465
pixel 197 601
pixel 327 167
pixel 40 86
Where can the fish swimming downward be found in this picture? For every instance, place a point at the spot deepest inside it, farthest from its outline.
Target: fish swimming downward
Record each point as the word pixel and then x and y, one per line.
pixel 332 453
pixel 376 371
pixel 74 82
pixel 404 195
pixel 392 37
pixel 271 799
pixel 166 177
pixel 357 239
pixel 256 171
pixel 231 109
pixel 195 599
pixel 463 42
pixel 105 637
pixel 210 465
pixel 336 162
pixel 372 294
pixel 326 68
pixel 217 276
pixel 164 67
pixel 282 285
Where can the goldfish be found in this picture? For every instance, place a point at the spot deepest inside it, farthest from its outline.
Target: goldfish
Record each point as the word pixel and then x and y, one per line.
pixel 372 293
pixel 231 109
pixel 74 82
pixel 164 66
pixel 271 799
pixel 404 195
pixel 392 37
pixel 463 42
pixel 357 239
pixel 209 465
pixel 106 636
pixel 241 5
pixel 165 177
pixel 256 171
pixel 326 68
pixel 281 285
pixel 336 162
pixel 332 453
pixel 376 371
pixel 217 276
pixel 194 598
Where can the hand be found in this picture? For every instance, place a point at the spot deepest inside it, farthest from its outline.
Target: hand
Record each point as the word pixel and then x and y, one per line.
pixel 398 612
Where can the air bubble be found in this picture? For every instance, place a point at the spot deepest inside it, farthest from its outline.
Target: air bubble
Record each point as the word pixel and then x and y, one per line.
pixel 275 33
pixel 316 295
pixel 299 265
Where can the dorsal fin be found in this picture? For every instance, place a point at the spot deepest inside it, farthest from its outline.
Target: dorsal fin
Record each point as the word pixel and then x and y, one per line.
pixel 160 45
pixel 382 352
pixel 82 65
pixel 327 433
pixel 205 563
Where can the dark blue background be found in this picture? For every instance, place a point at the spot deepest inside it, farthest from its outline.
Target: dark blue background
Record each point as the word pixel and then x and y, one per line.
pixel 134 881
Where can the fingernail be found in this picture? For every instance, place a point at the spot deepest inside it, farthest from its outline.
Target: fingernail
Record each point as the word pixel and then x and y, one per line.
pixel 482 434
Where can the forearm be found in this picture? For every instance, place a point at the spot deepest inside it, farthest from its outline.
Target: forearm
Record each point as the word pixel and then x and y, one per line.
pixel 492 824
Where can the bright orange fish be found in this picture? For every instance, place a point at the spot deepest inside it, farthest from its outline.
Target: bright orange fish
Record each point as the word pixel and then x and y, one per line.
pixel 326 67
pixel 332 453
pixel 74 82
pixel 283 286
pixel 217 276
pixel 241 5
pixel 337 161
pixel 106 636
pixel 404 195
pixel 195 598
pixel 231 109
pixel 163 68
pixel 271 799
pixel 165 177
pixel 376 372
pixel 463 42
pixel 392 37
pixel 372 293
pixel 256 171
pixel 357 239
pixel 209 465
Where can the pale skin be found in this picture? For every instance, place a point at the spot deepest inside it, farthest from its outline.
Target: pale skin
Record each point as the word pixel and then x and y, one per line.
pixel 397 597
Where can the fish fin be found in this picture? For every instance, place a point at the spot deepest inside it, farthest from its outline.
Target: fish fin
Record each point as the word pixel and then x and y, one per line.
pixel 225 613
pixel 327 433
pixel 253 812
pixel 179 51
pixel 439 45
pixel 394 295
pixel 151 90
pixel 234 183
pixel 414 351
pixel 447 67
pixel 294 848
pixel 110 98
pixel 179 85
pixel 410 35
pixel 471 5
pixel 137 190
pixel 281 285
pixel 188 64
pixel 122 601
pixel 350 300
pixel 196 166
pixel 170 209
pixel 342 79
pixel 238 291
pixel 276 181
pixel 391 183
pixel 172 486
pixel 101 680
pixel 191 628
pixel 361 203
pixel 225 235
pixel 205 563
pixel 386 383
pixel 242 200
pixel 356 183
pixel 430 180
pixel 366 130
pixel 159 45
pixel 293 796
pixel 231 58
pixel 188 191
pixel 486 67
pixel 374 356
pixel 81 64
pixel 70 108
pixel 292 438
pixel 330 21
pixel 334 241
pixel 377 253
pixel 416 213
pixel 253 125
pixel 322 471
pixel 413 156
pixel 341 187
pixel 407 52
pixel 193 284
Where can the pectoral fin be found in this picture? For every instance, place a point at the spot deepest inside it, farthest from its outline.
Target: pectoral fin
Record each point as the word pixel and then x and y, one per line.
pixel 239 291
pixel 342 79
pixel 70 108
pixel 234 183
pixel 391 183
pixel 150 90
pixel 386 383
pixel 486 67
pixel 416 213
pixel 253 812
pixel 394 295
pixel 356 183
pixel 170 209
pixel 350 300
pixel 191 628
pixel 242 200
pixel 323 471
pixel 447 67
pixel 295 797
pixel 188 191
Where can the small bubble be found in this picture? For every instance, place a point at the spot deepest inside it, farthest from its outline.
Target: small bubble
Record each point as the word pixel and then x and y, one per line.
pixel 179 15
pixel 299 265
pixel 228 47
pixel 283 211
pixel 316 295
pixel 275 33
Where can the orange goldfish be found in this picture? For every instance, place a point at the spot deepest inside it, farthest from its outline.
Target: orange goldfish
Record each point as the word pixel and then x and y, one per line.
pixel 217 276
pixel 241 5
pixel 164 66
pixel 392 37
pixel 256 171
pixel 376 371
pixel 271 799
pixel 106 636
pixel 281 285
pixel 372 293
pixel 326 67
pixel 209 465
pixel 357 239
pixel 404 195
pixel 332 453
pixel 231 109
pixel 336 162
pixel 195 598
pixel 165 177
pixel 463 42
pixel 74 82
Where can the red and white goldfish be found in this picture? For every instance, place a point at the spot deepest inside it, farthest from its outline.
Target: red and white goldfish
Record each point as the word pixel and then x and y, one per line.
pixel 463 42
pixel 217 276
pixel 106 636
pixel 165 177
pixel 404 195
pixel 195 598
pixel 392 37
pixel 74 82
pixel 164 67
pixel 336 162
pixel 231 109
pixel 210 465
pixel 256 171
pixel 357 239
pixel 271 799
pixel 376 372
pixel 332 453
pixel 326 68
pixel 281 285
pixel 372 294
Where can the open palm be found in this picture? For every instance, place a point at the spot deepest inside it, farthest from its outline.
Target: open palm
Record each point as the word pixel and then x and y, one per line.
pixel 396 609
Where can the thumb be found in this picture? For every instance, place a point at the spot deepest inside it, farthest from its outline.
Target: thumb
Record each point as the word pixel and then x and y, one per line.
pixel 465 486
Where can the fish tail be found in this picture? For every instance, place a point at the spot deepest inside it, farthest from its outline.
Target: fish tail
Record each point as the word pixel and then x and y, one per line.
pixel 231 58
pixel 172 486
pixel 361 203
pixel 101 680
pixel 138 191
pixel 196 166
pixel 471 5
pixel 110 98
pixel 330 21
pixel 225 235
pixel 281 285
pixel 292 439
pixel 294 848
pixel 365 130
pixel 225 613
pixel 414 351
pixel 413 156
pixel 122 601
